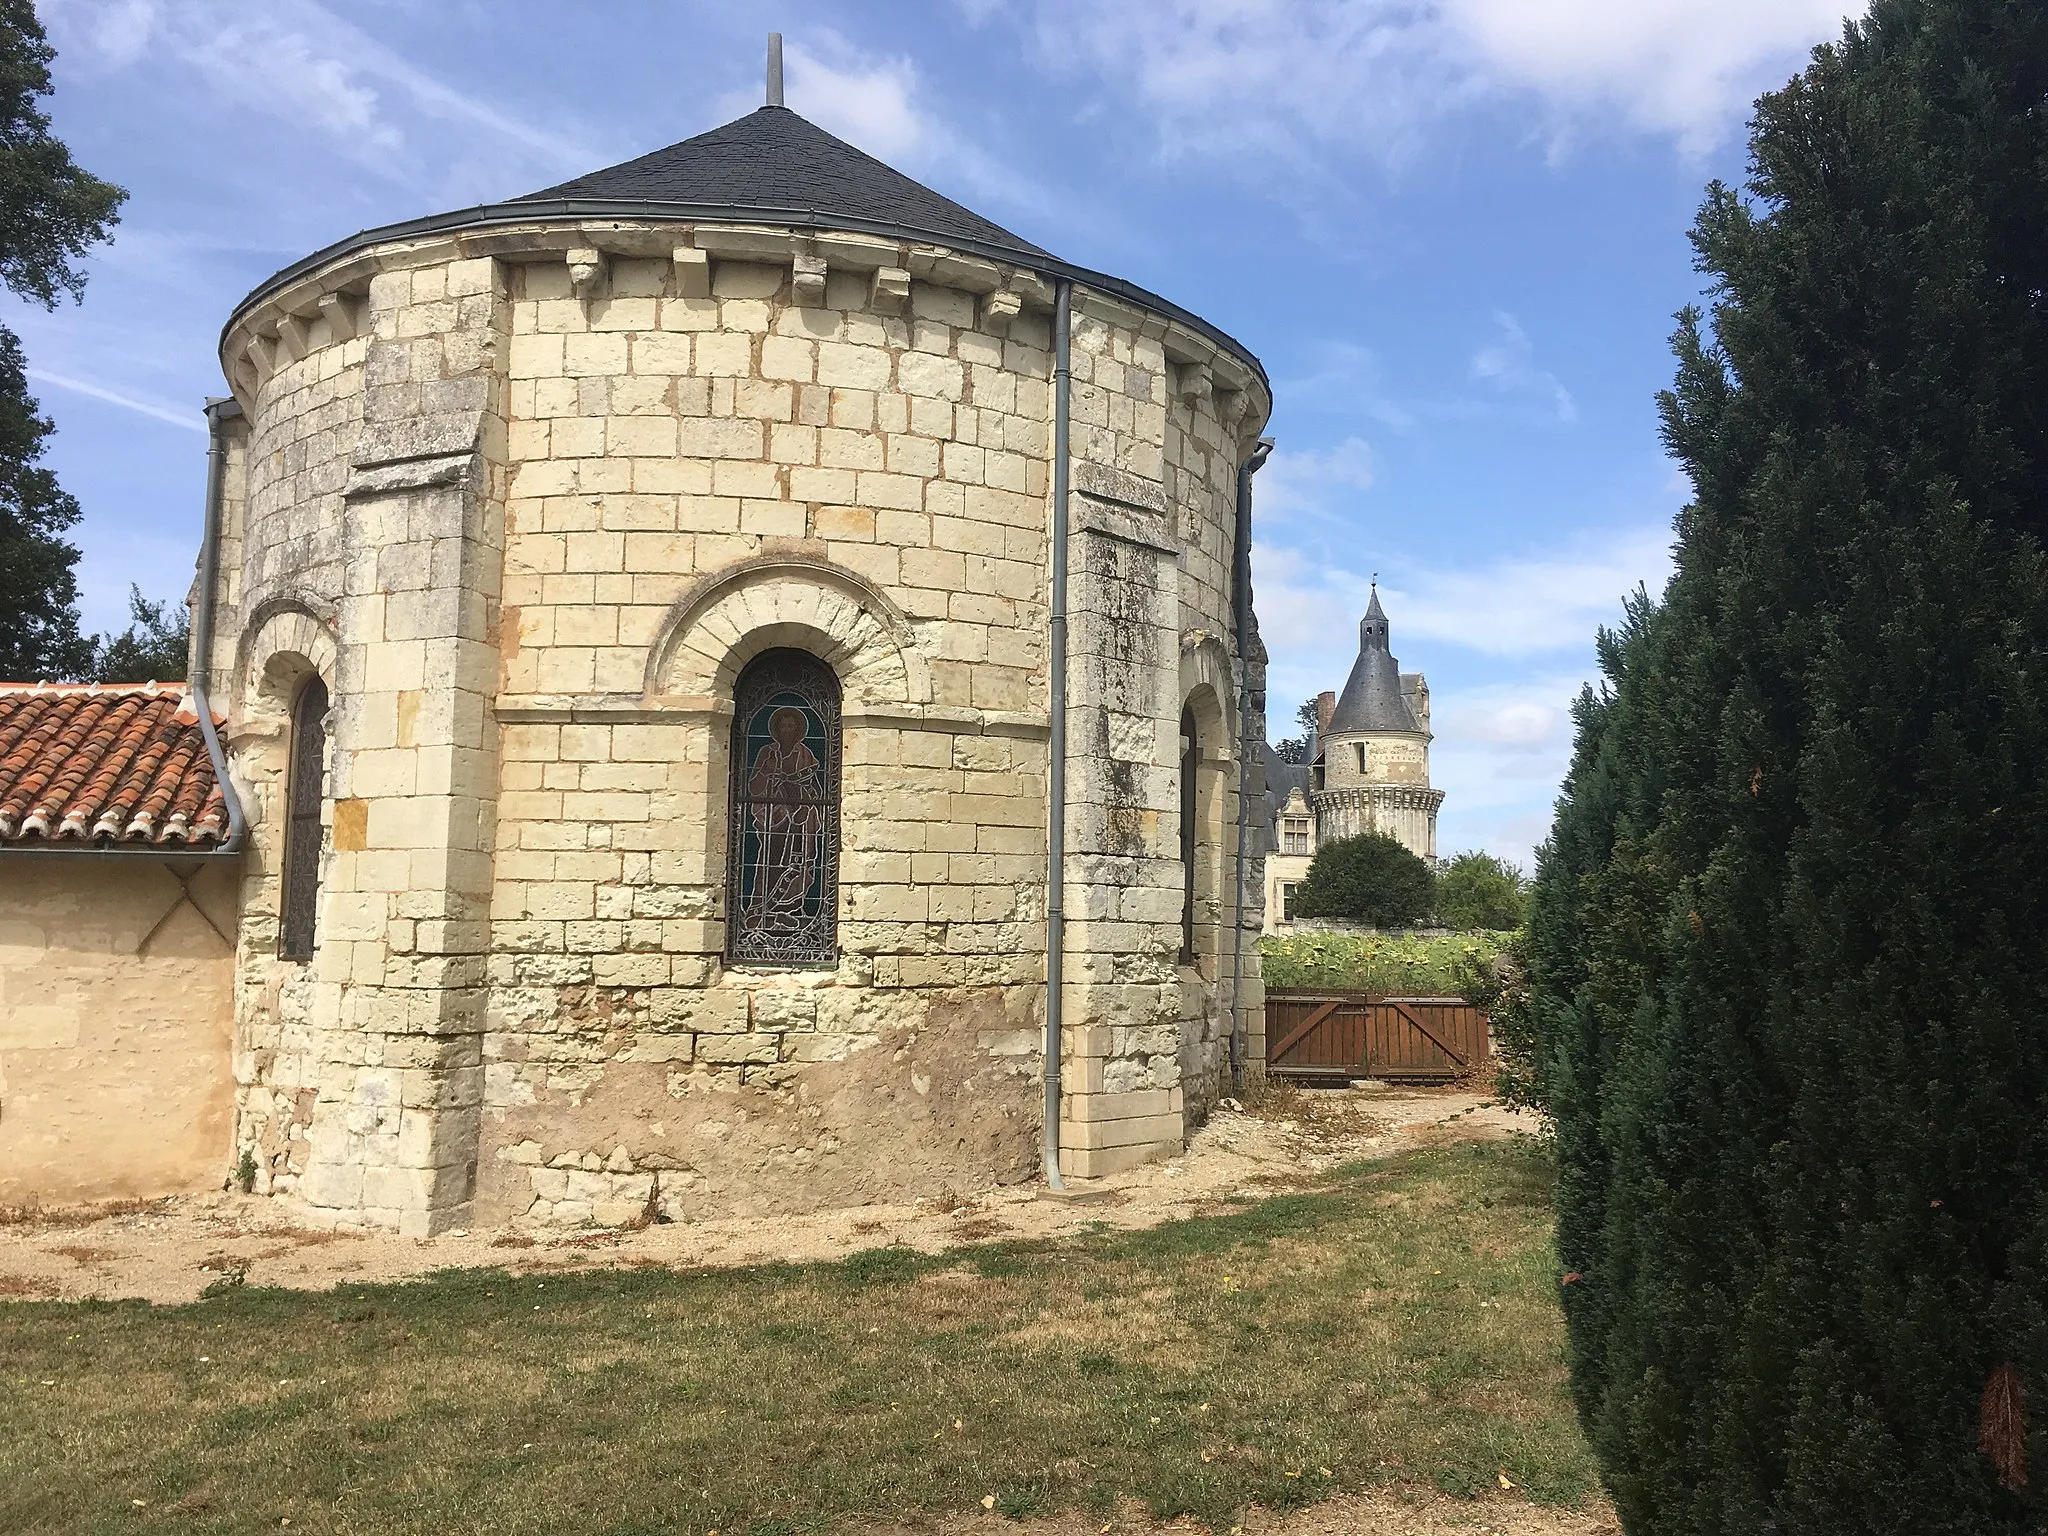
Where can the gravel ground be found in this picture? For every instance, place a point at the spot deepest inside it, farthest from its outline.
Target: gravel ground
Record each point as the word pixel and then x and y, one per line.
pixel 172 1250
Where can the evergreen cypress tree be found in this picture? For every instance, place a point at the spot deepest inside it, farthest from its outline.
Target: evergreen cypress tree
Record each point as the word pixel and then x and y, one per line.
pixel 1785 941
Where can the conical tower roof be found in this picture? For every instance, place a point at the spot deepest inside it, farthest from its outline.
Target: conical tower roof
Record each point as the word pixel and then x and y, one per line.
pixel 1372 699
pixel 770 167
pixel 772 163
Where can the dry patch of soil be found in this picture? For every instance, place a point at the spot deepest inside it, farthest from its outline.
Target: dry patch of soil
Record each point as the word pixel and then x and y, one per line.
pixel 171 1250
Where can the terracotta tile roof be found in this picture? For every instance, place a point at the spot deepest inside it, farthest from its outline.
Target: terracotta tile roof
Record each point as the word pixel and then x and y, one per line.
pixel 89 764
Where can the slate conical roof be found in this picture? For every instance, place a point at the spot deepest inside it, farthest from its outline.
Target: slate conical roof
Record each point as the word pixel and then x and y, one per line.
pixel 1372 699
pixel 772 162
pixel 770 167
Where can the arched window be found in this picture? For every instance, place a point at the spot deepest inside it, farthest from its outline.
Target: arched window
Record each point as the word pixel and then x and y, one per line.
pixel 305 789
pixel 782 863
pixel 1190 762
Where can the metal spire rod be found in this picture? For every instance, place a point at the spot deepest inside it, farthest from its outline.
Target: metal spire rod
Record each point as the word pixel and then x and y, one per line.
pixel 774 69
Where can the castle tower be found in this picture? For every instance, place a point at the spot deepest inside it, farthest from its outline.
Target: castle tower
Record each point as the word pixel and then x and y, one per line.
pixel 1375 749
pixel 632 618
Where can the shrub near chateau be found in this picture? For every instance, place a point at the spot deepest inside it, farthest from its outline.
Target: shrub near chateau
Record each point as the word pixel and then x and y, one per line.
pixel 1370 879
pixel 1786 937
pixel 1476 891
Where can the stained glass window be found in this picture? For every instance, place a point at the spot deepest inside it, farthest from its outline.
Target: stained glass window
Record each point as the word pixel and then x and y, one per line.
pixel 305 789
pixel 782 880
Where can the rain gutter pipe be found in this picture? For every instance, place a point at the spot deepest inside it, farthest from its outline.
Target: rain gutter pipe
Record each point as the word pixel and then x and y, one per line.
pixel 218 414
pixel 1056 743
pixel 1241 613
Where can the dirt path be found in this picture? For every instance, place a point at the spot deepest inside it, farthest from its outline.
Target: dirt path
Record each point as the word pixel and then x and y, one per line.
pixel 174 1249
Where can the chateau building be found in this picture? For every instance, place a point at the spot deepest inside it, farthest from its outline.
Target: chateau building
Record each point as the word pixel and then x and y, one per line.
pixel 1366 769
pixel 651 627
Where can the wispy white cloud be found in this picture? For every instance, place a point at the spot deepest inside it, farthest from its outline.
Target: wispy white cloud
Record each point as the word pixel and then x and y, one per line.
pixel 1266 78
pixel 1507 364
pixel 1503 727
pixel 297 61
pixel 879 102
pixel 1500 750
pixel 1272 79
pixel 865 99
pixel 1513 608
pixel 190 420
pixel 1314 483
pixel 1525 605
pixel 1344 376
pixel 1685 68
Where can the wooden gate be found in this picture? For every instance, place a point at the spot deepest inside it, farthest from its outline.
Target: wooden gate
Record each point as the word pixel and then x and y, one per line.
pixel 1318 1032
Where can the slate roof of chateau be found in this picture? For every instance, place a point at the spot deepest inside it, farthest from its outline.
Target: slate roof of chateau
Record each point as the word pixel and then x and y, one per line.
pixel 1282 779
pixel 1372 699
pixel 772 161
pixel 92 764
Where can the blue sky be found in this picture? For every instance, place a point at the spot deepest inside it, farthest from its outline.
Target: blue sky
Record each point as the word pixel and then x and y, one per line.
pixel 1453 229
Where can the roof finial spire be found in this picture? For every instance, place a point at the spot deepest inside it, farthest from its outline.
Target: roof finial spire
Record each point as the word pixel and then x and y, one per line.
pixel 774 69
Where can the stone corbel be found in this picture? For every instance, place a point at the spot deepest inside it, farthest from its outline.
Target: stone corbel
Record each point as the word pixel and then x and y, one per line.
pixel 588 272
pixel 262 356
pixel 949 269
pixel 693 272
pixel 1193 383
pixel 295 335
pixel 807 279
pixel 999 309
pixel 341 314
pixel 889 291
pixel 1231 406
pixel 1034 290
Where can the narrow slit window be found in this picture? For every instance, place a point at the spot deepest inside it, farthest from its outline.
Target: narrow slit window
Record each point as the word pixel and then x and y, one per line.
pixel 1190 762
pixel 305 793
pixel 782 878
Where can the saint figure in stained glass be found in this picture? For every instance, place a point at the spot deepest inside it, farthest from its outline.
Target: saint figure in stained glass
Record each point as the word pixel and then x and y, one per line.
pixel 784 876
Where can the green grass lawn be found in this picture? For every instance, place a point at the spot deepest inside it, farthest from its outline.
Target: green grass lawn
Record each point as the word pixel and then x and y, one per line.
pixel 1395 1324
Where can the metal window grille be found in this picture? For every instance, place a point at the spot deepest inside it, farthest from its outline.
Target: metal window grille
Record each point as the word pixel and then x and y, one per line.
pixel 305 793
pixel 782 876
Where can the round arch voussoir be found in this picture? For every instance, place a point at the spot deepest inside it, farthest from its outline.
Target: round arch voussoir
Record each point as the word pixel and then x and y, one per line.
pixel 728 619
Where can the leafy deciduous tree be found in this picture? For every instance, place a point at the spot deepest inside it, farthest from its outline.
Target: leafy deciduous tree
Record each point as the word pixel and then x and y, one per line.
pixel 51 213
pixel 1477 890
pixel 153 647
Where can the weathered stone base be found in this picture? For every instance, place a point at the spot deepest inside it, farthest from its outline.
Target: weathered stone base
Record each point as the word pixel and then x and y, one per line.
pixel 941 1101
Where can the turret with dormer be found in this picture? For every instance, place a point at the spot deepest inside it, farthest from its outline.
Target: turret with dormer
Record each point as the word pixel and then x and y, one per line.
pixel 1373 772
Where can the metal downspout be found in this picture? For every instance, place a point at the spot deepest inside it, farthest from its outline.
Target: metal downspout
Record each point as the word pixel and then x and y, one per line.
pixel 1056 745
pixel 200 673
pixel 1241 609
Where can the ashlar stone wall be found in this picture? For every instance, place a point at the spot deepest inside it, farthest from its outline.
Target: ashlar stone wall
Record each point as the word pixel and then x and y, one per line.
pixel 529 504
